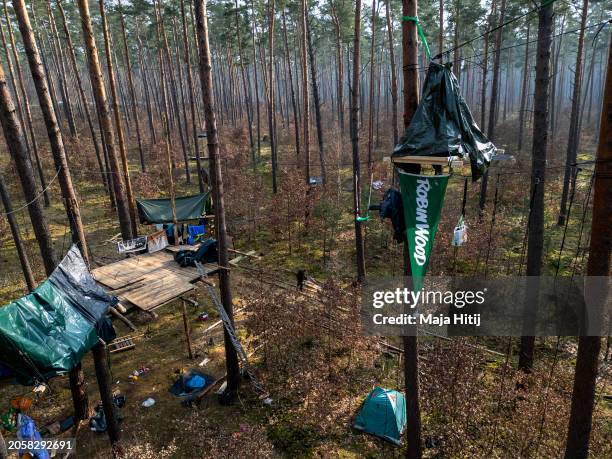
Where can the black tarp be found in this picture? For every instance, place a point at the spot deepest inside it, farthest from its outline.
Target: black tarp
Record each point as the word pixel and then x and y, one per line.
pixel 443 125
pixel 47 332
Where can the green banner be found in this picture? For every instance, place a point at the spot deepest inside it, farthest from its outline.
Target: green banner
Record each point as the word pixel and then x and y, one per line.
pixel 422 198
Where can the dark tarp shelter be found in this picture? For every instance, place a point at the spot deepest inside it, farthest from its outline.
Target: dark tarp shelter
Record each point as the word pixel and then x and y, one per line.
pixel 443 125
pixel 160 210
pixel 47 332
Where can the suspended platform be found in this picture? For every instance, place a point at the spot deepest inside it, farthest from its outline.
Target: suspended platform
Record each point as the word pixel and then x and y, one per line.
pixel 149 281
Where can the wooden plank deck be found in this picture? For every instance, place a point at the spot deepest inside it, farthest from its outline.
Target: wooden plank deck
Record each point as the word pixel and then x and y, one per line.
pixel 149 281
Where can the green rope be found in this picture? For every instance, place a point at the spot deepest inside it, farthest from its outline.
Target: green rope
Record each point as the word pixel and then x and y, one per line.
pixel 415 19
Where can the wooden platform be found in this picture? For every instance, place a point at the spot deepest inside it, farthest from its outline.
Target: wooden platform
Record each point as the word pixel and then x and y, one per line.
pixel 149 281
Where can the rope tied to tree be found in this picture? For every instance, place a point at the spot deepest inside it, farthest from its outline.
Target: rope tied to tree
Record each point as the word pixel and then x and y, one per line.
pixel 415 19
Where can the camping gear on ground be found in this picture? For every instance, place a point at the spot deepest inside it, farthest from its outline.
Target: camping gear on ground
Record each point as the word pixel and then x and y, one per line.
pixel 191 381
pixel 206 253
pixel 443 125
pixel 97 423
pixel 391 207
pixel 132 245
pixel 423 199
pixel 160 210
pixel 195 234
pixel 180 230
pixel 9 419
pixel 157 241
pixel 21 403
pixel 47 332
pixel 27 431
pixel 383 414
pixel 148 403
pixel 203 317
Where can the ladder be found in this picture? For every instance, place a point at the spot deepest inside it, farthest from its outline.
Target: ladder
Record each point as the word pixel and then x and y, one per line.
pixel 229 328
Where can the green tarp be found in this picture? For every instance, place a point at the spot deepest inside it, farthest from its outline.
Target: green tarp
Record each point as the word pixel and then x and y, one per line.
pixel 443 125
pixel 47 332
pixel 383 414
pixel 160 210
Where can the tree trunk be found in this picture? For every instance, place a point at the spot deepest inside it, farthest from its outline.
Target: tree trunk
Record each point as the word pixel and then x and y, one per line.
pixel 271 110
pixel 192 101
pixel 583 395
pixel 75 69
pixel 305 94
pixel 574 134
pixel 371 94
pixel 55 136
pixel 97 83
pixel 128 63
pixel 103 377
pixel 485 65
pixel 293 104
pixel 26 105
pixel 359 244
pixel 519 146
pixel 538 169
pixel 231 358
pixel 394 72
pixel 118 125
pixel 494 99
pixel 340 68
pixel 245 86
pixel 21 253
pixel 316 99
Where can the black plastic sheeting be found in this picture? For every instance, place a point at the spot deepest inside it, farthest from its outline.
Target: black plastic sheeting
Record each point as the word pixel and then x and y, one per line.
pixel 47 332
pixel 443 125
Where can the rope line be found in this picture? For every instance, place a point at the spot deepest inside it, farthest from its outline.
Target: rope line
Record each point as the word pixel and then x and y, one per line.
pixel 38 196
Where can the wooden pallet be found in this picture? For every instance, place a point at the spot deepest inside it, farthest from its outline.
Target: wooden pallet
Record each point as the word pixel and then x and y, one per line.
pixel 121 344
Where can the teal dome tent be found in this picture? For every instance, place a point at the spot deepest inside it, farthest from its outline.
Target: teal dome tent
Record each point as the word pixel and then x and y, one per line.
pixel 383 414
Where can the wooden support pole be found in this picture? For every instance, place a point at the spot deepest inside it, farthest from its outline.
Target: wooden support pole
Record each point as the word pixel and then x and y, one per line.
pixel 186 325
pixel 106 392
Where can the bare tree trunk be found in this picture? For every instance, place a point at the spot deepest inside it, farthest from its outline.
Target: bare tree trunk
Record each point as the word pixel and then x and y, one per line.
pixel 583 395
pixel 340 68
pixel 494 99
pixel 165 121
pixel 75 69
pixel 106 125
pixel 61 67
pixel 574 134
pixel 271 110
pixel 21 253
pixel 316 99
pixel 355 105
pixel 55 136
pixel 128 63
pixel 538 170
pixel 231 358
pixel 26 105
pixel 371 95
pixel 485 66
pixel 247 92
pixel 441 27
pixel 519 146
pixel 394 71
pixel 255 73
pixel 293 104
pixel 305 93
pixel 192 100
pixel 118 126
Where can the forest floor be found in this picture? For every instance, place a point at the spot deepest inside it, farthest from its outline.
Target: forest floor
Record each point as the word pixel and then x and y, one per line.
pixel 474 402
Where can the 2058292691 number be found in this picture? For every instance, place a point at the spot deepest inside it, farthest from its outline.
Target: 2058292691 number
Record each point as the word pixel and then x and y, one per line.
pixel 64 444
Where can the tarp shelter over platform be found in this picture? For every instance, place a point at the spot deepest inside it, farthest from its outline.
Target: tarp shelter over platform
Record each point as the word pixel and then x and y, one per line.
pixel 159 210
pixel 47 332
pixel 443 125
